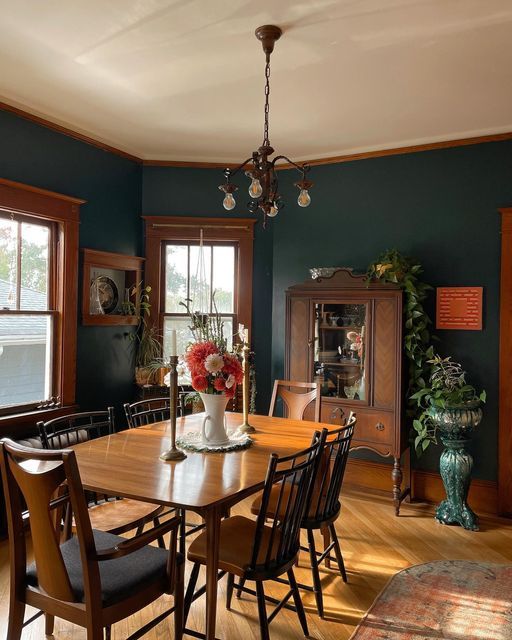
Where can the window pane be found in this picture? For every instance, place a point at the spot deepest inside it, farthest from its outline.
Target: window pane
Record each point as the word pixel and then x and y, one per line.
pixel 200 271
pixel 8 262
pixel 34 267
pixel 25 359
pixel 224 278
pixel 176 274
pixel 184 335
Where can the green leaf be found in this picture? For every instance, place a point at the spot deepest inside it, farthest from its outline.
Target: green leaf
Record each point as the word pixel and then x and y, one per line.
pixel 483 396
pixel 425 444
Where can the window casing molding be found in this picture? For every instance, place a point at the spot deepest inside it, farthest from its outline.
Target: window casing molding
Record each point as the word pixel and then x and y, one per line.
pixel 64 212
pixel 160 230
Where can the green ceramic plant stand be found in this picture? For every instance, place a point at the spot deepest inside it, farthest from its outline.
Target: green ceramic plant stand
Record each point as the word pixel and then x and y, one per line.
pixel 456 425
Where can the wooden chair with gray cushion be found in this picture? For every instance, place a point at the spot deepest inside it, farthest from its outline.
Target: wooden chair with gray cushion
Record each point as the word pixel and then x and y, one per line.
pixel 112 515
pixel 325 506
pixel 296 402
pixel 93 579
pixel 256 551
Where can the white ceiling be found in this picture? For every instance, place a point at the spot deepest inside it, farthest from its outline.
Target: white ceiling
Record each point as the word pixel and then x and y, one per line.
pixel 183 79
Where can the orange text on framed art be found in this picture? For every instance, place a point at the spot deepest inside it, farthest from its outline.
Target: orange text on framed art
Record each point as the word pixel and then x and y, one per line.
pixel 459 308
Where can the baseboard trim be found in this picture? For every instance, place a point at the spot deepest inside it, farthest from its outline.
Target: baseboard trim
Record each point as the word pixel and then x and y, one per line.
pixel 426 486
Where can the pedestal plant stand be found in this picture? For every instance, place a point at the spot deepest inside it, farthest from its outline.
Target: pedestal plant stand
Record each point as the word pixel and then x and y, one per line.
pixel 455 426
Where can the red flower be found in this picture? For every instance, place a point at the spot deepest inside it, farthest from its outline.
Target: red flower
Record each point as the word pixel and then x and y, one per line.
pixel 219 384
pixel 233 367
pixel 230 393
pixel 197 354
pixel 200 383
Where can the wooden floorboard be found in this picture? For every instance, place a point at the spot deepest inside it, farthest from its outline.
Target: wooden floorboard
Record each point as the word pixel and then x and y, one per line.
pixel 375 545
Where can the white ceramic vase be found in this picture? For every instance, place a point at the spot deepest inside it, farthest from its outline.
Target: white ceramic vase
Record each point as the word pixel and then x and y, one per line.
pixel 213 430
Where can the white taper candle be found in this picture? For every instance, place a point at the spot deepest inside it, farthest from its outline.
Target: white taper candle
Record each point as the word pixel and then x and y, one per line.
pixel 173 350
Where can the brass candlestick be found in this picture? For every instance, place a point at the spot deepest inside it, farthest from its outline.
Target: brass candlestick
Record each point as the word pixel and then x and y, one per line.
pixel 173 453
pixel 245 427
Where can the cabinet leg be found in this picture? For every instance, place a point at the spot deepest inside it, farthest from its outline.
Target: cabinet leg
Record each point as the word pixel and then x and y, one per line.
pixel 397 476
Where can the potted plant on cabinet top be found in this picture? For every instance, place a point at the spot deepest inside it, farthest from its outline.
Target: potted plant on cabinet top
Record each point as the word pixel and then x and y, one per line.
pixel 451 407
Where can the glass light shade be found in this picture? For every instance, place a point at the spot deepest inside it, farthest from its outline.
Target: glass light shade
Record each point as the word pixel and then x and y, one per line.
pixel 273 212
pixel 229 202
pixel 304 199
pixel 255 188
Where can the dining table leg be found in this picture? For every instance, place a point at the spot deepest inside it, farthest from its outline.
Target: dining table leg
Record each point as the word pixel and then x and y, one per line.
pixel 212 521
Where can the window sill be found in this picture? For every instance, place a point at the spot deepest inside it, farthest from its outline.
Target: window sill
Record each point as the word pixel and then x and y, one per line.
pixel 17 424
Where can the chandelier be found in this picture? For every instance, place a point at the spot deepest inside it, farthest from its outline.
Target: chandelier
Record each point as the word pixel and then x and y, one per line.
pixel 260 169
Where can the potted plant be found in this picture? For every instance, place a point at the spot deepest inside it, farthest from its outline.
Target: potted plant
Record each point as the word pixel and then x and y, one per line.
pixel 451 408
pixel 149 347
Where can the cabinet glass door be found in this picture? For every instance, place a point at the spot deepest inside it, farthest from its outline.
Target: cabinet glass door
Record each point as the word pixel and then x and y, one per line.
pixel 340 350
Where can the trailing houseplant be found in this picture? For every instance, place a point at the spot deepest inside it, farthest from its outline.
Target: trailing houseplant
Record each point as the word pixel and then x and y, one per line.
pixel 392 266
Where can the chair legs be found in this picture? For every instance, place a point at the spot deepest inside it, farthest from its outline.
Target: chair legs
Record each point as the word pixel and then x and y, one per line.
pixel 317 585
pixel 337 551
pixel 16 615
pixel 190 591
pixel 298 602
pixel 49 622
pixel 229 590
pixel 179 605
pixel 262 611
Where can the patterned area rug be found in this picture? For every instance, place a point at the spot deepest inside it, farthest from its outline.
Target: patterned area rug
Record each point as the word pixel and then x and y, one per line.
pixel 451 599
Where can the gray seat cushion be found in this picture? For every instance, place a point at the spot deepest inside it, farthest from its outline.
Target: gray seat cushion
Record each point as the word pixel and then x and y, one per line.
pixel 31 441
pixel 120 577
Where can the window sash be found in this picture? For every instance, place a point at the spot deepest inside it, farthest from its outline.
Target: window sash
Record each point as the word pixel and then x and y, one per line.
pixel 206 243
pixel 49 362
pixel 21 219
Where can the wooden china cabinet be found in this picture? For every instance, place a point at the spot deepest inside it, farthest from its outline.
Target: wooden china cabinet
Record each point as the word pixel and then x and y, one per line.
pixel 346 335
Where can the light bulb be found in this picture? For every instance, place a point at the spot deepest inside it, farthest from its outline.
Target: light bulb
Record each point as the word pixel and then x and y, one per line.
pixel 273 211
pixel 255 189
pixel 304 199
pixel 229 202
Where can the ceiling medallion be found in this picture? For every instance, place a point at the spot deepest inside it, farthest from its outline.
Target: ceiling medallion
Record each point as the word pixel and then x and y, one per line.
pixel 260 169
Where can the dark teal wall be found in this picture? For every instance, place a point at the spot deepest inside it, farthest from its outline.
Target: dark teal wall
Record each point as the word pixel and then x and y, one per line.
pixel 173 191
pixel 439 206
pixel 110 221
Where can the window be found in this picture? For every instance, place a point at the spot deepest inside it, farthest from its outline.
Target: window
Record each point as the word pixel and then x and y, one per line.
pixel 174 271
pixel 28 315
pixel 38 298
pixel 207 279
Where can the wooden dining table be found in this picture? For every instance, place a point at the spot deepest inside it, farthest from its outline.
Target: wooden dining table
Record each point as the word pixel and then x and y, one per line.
pixel 127 464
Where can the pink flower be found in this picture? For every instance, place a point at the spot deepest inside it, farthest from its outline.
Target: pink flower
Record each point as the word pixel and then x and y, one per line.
pixel 230 381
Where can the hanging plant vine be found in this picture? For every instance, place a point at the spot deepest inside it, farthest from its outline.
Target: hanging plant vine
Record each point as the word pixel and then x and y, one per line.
pixel 392 266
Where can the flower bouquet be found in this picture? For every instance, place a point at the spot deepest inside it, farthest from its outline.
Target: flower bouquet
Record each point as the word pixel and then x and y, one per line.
pixel 215 373
pixel 213 369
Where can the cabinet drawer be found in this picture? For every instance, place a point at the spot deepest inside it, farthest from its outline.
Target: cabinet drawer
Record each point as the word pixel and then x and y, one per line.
pixel 375 426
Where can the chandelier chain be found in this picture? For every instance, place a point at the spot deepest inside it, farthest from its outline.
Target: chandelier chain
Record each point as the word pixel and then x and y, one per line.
pixel 267 95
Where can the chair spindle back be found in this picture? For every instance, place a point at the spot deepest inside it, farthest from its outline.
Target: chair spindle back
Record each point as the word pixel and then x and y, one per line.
pixel 69 430
pixel 325 502
pixel 146 412
pixel 277 543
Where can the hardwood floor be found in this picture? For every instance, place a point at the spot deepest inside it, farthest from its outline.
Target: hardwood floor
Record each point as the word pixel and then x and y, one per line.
pixel 375 545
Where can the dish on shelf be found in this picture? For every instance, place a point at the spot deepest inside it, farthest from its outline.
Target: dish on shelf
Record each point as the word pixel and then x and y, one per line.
pixel 106 292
